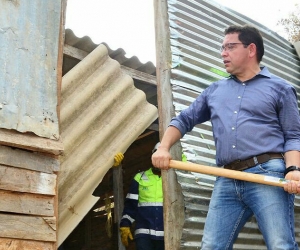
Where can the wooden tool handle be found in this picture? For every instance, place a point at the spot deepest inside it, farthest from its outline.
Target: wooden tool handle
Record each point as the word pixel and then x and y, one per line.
pixel 233 174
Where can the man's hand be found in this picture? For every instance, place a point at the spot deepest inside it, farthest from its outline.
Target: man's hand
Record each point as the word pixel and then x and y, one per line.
pixel 125 233
pixel 161 158
pixel 117 159
pixel 293 186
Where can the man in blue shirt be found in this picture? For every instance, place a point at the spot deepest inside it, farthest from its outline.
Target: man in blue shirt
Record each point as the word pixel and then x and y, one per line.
pixel 256 127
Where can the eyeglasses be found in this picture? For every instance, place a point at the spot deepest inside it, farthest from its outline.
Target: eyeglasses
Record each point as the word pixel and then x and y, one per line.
pixel 231 46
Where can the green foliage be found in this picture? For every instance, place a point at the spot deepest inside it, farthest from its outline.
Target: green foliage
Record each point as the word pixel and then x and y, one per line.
pixel 219 72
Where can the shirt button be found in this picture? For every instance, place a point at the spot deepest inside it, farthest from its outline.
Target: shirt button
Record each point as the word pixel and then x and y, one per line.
pixel 235 112
pixel 232 128
pixel 239 97
pixel 233 146
pixel 244 84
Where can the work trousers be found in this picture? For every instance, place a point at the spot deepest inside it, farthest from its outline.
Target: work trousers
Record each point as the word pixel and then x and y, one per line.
pixel 146 243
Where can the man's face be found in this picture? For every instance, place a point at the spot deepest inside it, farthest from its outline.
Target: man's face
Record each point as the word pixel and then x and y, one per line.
pixel 235 55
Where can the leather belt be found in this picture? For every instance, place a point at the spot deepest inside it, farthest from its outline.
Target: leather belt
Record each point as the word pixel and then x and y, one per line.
pixel 253 161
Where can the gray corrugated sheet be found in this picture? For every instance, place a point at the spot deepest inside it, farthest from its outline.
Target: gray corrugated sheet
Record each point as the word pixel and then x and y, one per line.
pixel 102 113
pixel 196 29
pixel 29 36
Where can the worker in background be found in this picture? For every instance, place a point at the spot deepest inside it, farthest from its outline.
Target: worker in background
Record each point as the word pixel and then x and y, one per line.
pixel 144 206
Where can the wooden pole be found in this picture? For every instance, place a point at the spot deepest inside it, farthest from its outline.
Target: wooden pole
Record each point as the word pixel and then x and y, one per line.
pixel 173 202
pixel 118 200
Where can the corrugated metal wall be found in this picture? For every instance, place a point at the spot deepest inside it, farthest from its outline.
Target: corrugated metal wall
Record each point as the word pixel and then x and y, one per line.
pixel 196 29
pixel 29 38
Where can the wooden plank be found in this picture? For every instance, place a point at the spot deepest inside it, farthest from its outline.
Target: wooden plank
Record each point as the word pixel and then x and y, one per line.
pixel 31 142
pixel 13 244
pixel 139 75
pixel 28 160
pixel 24 203
pixel 21 180
pixel 28 227
pixel 74 52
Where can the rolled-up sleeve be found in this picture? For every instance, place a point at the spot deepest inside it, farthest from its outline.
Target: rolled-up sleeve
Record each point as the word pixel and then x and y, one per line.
pixel 196 113
pixel 290 119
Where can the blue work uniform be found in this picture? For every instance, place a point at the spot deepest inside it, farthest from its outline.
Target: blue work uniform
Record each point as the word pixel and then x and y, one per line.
pixel 144 206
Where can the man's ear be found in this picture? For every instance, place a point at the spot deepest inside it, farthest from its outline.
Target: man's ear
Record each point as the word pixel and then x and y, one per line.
pixel 252 50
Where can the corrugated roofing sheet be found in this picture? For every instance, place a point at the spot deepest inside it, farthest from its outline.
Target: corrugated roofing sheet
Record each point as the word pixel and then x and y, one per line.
pixel 29 37
pixel 196 28
pixel 102 113
pixel 86 44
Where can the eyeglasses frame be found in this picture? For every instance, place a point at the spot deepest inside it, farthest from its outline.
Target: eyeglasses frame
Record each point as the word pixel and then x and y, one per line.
pixel 225 47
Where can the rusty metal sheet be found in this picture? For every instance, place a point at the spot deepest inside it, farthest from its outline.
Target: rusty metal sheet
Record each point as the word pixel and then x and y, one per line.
pixel 29 37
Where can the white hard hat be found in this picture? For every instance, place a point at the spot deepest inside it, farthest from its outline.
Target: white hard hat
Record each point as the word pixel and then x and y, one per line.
pixel 155 147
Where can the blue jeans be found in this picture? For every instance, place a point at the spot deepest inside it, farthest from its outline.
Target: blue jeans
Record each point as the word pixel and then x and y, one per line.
pixel 146 243
pixel 233 202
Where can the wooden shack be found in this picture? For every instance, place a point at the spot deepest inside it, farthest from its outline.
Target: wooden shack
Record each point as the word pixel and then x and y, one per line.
pixel 61 125
pixel 30 79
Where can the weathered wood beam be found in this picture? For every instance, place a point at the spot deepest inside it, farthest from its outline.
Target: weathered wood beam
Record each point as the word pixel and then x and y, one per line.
pixel 30 142
pixel 118 199
pixel 13 244
pixel 74 52
pixel 173 201
pixel 138 75
pixel 28 160
pixel 37 228
pixel 23 203
pixel 27 181
pixel 135 74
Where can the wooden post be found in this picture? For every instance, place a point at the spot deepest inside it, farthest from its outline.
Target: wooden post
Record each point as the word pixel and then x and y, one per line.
pixel 118 200
pixel 173 202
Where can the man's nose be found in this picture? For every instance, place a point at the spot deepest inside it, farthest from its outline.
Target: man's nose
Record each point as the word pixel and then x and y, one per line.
pixel 224 52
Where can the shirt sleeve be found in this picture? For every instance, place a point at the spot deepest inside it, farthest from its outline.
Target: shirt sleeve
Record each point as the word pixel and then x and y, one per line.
pixel 198 112
pixel 130 205
pixel 289 119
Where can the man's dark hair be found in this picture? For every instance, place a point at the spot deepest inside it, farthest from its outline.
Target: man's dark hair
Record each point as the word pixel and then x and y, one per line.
pixel 247 35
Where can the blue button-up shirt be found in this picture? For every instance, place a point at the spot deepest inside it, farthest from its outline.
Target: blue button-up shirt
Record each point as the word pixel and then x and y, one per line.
pixel 248 118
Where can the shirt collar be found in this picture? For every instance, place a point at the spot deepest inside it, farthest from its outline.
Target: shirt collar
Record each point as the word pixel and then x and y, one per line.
pixel 264 72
